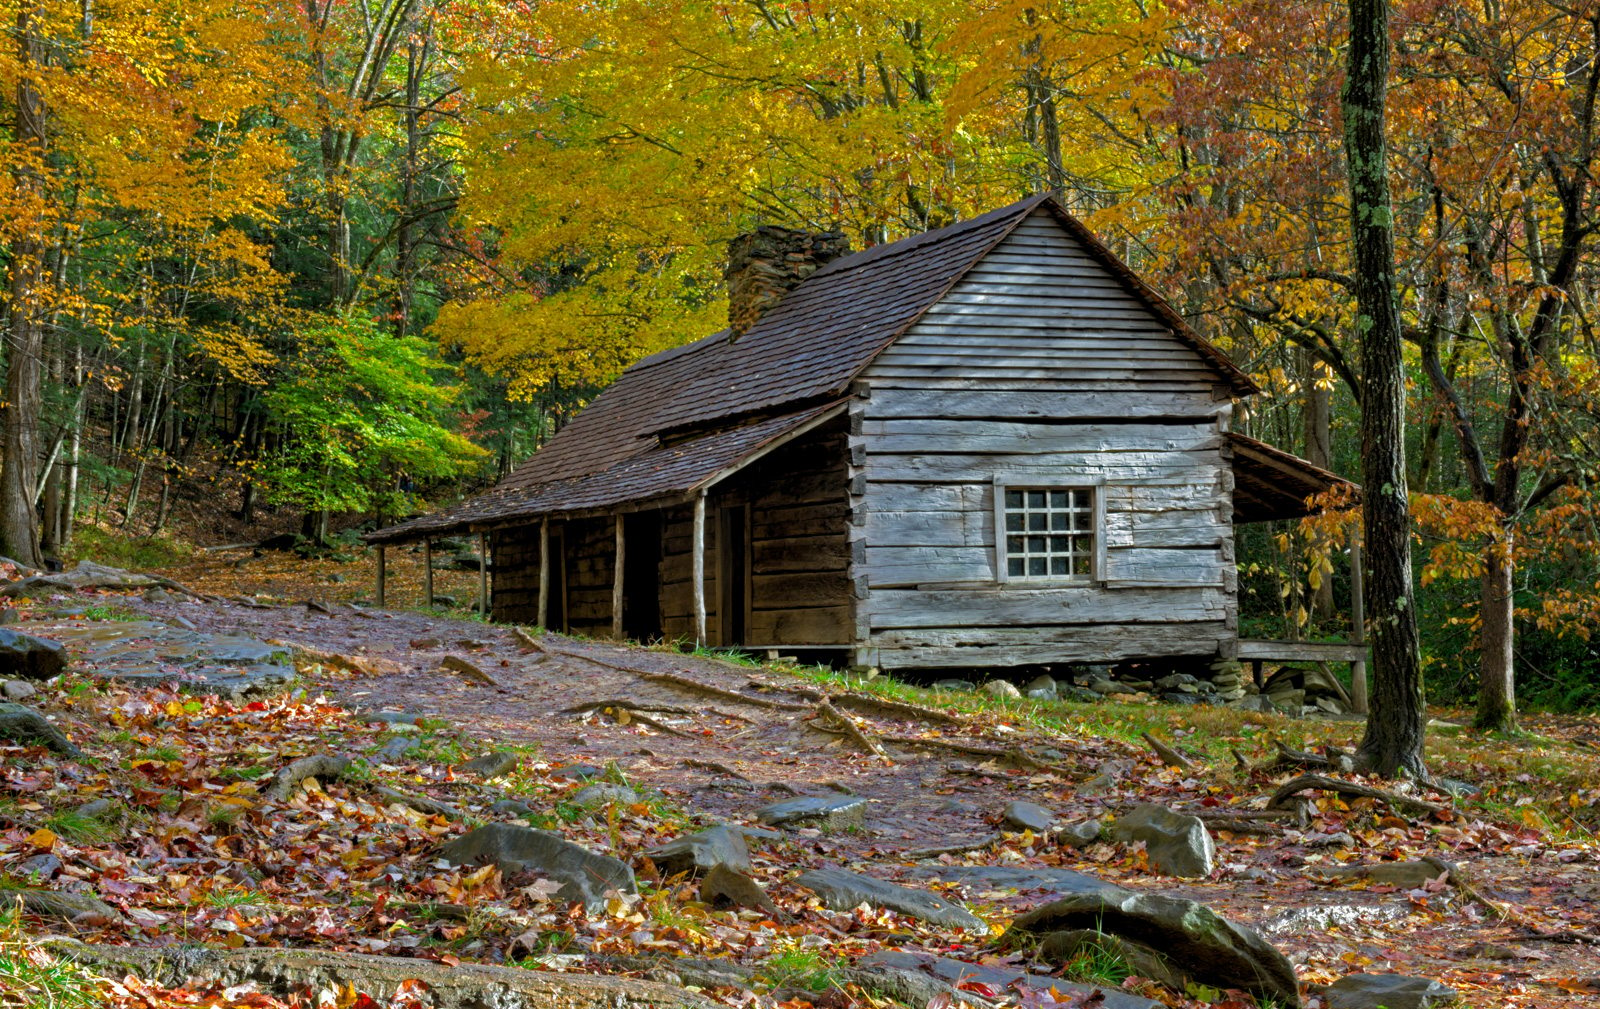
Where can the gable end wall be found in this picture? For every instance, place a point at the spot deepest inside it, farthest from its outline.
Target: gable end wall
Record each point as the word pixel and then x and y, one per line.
pixel 1040 368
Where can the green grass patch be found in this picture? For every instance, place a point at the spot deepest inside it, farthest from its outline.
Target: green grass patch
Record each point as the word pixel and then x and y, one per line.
pixel 74 826
pixel 135 553
pixel 802 968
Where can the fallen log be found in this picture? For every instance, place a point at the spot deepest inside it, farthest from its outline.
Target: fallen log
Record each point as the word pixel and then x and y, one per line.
pixel 464 986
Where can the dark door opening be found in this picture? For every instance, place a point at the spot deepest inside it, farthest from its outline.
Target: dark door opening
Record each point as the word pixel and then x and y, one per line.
pixel 641 576
pixel 734 574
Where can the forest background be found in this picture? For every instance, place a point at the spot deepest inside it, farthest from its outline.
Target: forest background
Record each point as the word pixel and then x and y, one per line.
pixel 337 260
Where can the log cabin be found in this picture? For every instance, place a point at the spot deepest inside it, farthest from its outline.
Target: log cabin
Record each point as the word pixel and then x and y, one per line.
pixel 986 446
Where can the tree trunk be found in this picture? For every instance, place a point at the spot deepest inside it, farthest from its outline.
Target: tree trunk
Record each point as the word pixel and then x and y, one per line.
pixel 19 421
pixel 1393 741
pixel 1497 687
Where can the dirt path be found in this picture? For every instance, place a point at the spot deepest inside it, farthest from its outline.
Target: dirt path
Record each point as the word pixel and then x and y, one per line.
pixel 733 756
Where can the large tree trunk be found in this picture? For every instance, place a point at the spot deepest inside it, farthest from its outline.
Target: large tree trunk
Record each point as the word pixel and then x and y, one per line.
pixel 19 421
pixel 1497 685
pixel 1393 741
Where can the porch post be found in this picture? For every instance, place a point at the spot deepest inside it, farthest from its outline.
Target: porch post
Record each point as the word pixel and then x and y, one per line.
pixel 544 572
pixel 383 572
pixel 427 570
pixel 483 574
pixel 700 569
pixel 1358 624
pixel 616 581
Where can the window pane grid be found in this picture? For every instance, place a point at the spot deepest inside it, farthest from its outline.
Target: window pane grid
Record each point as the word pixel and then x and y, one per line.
pixel 1049 532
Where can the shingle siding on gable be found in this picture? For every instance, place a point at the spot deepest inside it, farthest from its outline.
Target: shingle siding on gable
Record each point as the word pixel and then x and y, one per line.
pixel 1040 368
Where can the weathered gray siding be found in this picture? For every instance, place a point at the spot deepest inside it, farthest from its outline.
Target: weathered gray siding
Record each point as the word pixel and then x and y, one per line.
pixel 1040 368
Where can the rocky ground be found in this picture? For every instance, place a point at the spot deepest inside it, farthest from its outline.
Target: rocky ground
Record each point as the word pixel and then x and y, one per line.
pixel 322 777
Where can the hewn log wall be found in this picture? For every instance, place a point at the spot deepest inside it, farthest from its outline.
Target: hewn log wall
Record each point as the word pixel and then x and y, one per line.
pixel 1040 368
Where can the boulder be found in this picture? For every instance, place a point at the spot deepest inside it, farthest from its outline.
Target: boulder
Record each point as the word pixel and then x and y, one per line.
pixel 583 875
pixel 700 852
pixel 21 724
pixel 1003 689
pixel 1386 991
pixel 27 657
pixel 1107 687
pixel 393 750
pixel 831 813
pixel 842 891
pixel 960 686
pixel 492 765
pixel 1024 815
pixel 602 792
pixel 1176 845
pixel 1194 939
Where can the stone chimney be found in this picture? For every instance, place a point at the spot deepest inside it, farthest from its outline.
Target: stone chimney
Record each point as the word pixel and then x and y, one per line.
pixel 767 263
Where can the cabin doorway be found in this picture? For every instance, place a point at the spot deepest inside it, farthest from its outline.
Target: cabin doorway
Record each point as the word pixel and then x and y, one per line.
pixel 641 576
pixel 734 574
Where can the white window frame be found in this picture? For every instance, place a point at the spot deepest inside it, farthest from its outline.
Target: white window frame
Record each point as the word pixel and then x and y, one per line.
pixel 1096 575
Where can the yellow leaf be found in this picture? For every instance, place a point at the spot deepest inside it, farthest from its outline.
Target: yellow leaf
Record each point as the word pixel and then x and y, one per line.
pixel 43 838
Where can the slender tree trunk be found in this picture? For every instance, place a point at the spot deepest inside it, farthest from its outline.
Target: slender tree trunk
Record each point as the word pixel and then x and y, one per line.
pixel 1393 741
pixel 1497 686
pixel 69 498
pixel 19 421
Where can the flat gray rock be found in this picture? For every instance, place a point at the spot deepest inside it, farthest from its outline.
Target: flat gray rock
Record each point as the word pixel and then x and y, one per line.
pixel 1386 991
pixel 831 813
pixel 18 690
pixel 584 875
pixel 701 852
pixel 841 891
pixel 1079 835
pixel 27 657
pixel 1022 815
pixel 1021 879
pixel 955 972
pixel 21 724
pixel 492 765
pixel 602 792
pixel 1176 845
pixel 1196 940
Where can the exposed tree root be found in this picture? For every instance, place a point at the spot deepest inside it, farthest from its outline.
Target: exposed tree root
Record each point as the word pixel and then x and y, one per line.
pixel 1018 757
pixel 363 664
pixel 952 849
pixel 713 766
pixel 631 705
pixel 464 986
pixel 287 779
pixel 469 672
pixel 1295 786
pixel 1169 756
pixel 527 640
pixel 420 803
pixel 826 709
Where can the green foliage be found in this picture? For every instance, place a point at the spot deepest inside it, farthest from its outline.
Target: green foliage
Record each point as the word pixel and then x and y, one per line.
pixel 135 553
pixel 804 968
pixel 364 409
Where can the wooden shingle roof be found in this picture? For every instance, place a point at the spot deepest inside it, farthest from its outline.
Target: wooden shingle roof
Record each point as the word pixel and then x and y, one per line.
pixel 714 398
